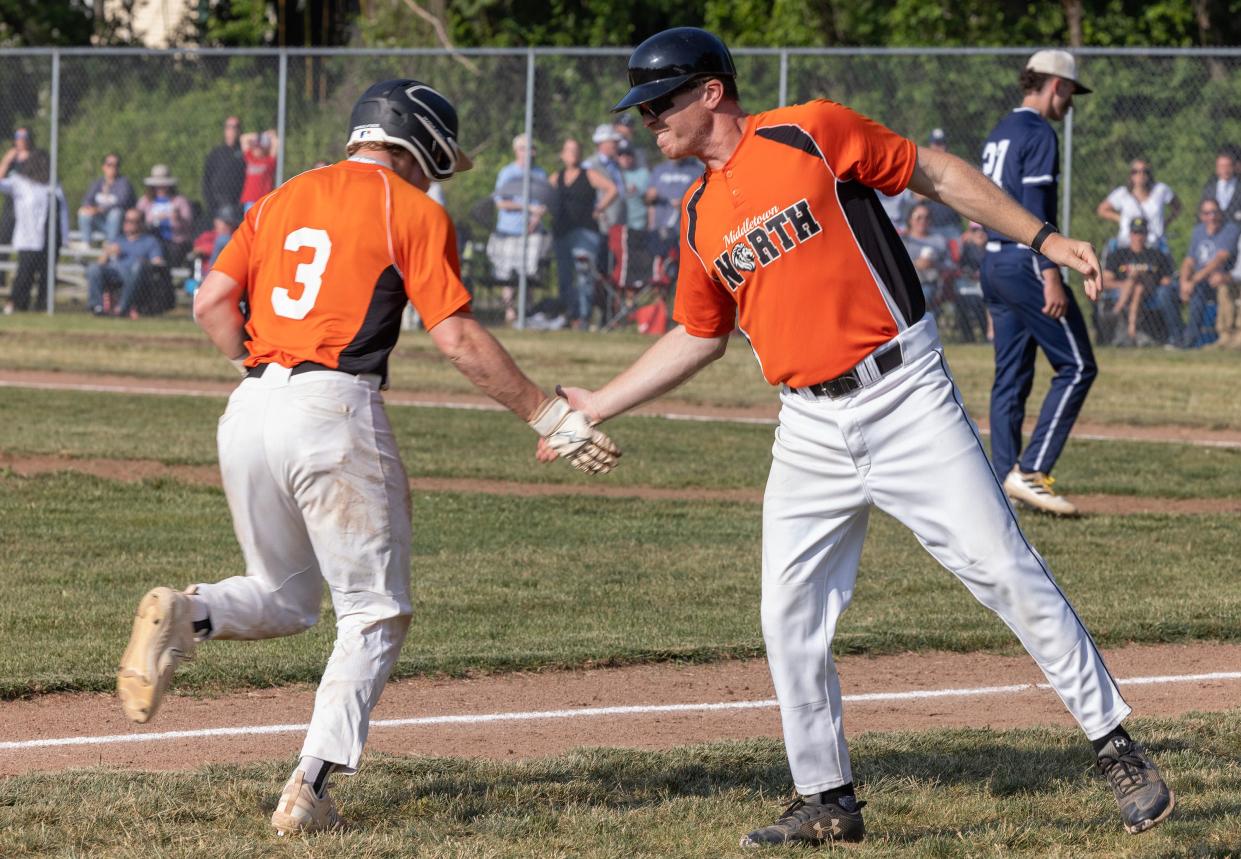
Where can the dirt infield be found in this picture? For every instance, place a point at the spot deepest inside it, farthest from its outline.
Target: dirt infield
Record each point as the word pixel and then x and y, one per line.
pixel 667 406
pixel 81 716
pixel 58 716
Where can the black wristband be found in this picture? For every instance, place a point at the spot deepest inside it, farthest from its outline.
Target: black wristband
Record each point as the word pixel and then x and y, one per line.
pixel 1036 244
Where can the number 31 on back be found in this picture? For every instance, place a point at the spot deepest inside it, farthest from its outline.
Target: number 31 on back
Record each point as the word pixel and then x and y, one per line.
pixel 308 274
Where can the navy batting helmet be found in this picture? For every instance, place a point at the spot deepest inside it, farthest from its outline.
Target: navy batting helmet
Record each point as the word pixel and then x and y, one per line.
pixel 671 59
pixel 416 117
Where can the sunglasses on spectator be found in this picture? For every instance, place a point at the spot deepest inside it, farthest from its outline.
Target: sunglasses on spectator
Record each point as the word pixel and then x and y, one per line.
pixel 1208 213
pixel 1136 170
pixel 657 107
pixel 111 163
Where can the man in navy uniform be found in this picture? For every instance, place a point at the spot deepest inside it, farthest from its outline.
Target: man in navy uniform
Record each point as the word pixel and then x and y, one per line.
pixel 1029 302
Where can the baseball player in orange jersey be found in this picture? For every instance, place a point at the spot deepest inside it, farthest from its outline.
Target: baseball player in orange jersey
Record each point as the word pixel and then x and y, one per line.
pixel 310 466
pixel 784 238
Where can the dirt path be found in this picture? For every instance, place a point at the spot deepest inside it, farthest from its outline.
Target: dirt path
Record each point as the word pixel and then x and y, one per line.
pixel 669 407
pixel 142 469
pixel 59 716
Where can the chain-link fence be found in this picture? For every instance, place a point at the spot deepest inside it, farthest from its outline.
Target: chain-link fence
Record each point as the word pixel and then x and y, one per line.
pixel 1171 111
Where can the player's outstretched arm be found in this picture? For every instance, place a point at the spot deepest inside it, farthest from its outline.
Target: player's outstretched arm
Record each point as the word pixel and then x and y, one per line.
pixel 673 359
pixel 565 430
pixel 963 187
pixel 217 312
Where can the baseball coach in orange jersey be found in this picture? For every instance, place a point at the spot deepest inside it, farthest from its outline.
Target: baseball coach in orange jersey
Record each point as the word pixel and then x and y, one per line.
pixel 325 265
pixel 784 238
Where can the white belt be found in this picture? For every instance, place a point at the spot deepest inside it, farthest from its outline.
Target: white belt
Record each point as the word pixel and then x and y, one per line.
pixel 994 247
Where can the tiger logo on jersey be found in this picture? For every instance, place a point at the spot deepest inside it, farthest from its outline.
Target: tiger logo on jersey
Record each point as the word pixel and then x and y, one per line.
pixel 743 258
pixel 773 237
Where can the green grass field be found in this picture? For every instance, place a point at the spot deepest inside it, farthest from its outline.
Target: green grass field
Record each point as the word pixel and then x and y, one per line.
pixel 659 453
pixel 504 583
pixel 1141 387
pixel 930 795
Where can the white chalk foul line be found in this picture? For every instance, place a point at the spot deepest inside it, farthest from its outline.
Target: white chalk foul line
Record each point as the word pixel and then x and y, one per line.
pixel 586 712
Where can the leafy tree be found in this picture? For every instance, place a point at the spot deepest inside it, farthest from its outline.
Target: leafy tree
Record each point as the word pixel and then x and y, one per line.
pixel 26 23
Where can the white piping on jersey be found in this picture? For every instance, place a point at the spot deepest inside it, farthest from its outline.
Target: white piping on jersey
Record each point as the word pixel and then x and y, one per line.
pixel 897 318
pixel 259 215
pixel 388 221
pixel 693 246
pixel 1045 179
pixel 753 351
pixel 1077 378
pixel 1020 109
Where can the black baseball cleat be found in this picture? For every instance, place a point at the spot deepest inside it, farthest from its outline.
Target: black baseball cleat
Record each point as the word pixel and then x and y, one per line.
pixel 813 822
pixel 1144 799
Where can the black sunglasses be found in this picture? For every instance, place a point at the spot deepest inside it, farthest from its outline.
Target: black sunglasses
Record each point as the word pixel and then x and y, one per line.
pixel 657 107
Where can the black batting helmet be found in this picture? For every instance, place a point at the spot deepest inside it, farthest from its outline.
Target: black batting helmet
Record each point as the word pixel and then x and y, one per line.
pixel 671 59
pixel 416 117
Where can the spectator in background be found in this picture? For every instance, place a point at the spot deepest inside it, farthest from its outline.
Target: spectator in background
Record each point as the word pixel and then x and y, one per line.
pixel 259 152
pixel 579 196
pixel 1143 198
pixel 224 171
pixel 1212 248
pixel 31 203
pixel 1222 187
pixel 897 207
pixel 518 233
pixel 972 319
pixel 623 125
pixel 928 251
pixel 944 221
pixel 670 181
pixel 637 180
pixel 106 202
pixel 1137 272
pixel 23 144
pixel 123 263
pixel 167 213
pixel 607 144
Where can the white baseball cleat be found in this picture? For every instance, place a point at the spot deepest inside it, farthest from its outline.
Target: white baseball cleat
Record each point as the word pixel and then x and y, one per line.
pixel 163 635
pixel 1035 490
pixel 301 810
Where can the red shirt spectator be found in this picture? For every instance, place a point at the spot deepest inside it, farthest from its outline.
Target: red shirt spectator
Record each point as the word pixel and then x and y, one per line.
pixel 260 166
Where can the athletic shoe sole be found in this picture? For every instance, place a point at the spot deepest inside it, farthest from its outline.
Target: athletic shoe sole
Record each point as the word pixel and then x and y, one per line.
pixel 156 647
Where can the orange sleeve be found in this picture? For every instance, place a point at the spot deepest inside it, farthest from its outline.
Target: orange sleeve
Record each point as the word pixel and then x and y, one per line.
pixel 702 305
pixel 234 260
pixel 428 260
pixel 857 147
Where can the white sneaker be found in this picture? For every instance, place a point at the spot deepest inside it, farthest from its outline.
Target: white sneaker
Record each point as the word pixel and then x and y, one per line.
pixel 301 810
pixel 1035 490
pixel 163 635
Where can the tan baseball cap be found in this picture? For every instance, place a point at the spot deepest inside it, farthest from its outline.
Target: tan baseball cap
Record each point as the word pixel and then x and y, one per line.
pixel 1059 63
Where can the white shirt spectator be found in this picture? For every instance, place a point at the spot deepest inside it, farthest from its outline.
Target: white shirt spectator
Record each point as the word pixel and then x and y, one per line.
pixel 1224 189
pixel 1129 207
pixel 30 204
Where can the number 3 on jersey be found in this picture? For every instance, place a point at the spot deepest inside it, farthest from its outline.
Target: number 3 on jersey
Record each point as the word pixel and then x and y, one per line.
pixel 993 160
pixel 308 274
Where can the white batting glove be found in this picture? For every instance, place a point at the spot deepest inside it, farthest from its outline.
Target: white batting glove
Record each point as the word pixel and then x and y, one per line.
pixel 570 434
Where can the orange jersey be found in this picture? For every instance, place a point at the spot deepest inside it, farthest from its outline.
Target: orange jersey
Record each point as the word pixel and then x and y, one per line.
pixel 788 241
pixel 329 259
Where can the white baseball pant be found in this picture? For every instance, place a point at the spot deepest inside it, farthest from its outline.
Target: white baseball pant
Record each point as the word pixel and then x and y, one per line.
pixel 318 494
pixel 905 445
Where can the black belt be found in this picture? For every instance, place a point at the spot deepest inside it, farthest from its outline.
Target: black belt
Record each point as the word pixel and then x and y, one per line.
pixel 846 383
pixel 304 367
